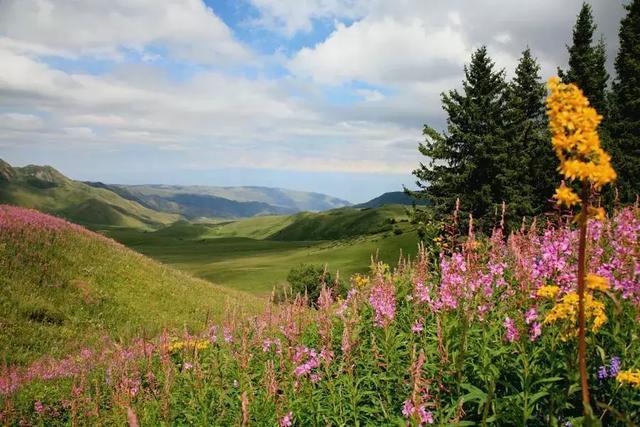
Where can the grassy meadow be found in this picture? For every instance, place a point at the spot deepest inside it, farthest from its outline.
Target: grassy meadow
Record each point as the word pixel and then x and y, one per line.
pixel 255 254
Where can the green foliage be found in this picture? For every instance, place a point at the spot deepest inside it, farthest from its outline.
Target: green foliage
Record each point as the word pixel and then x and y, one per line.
pixel 468 161
pixel 532 163
pixel 587 62
pixel 624 124
pixel 308 280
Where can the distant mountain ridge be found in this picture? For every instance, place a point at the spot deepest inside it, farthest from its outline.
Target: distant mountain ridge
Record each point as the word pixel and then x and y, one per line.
pixel 46 189
pixel 196 201
pixel 147 206
pixel 392 198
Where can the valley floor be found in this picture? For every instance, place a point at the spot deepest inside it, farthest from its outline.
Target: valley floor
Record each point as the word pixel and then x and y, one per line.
pixel 256 265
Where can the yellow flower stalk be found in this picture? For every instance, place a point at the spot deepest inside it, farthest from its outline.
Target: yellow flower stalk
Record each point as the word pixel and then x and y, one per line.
pixel 574 129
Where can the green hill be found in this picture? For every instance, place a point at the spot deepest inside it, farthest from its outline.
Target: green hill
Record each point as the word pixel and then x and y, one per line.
pixel 63 287
pixel 195 201
pixel 392 198
pixel 341 223
pixel 46 189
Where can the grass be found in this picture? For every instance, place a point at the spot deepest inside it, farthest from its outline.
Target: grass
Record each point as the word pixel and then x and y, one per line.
pixel 62 289
pixel 256 265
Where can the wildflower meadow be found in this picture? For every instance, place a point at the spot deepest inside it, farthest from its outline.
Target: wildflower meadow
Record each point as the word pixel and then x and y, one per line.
pixel 539 326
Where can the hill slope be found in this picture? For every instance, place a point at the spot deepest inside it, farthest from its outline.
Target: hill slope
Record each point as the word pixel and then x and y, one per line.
pixel 392 198
pixel 46 189
pixel 63 287
pixel 223 202
pixel 340 223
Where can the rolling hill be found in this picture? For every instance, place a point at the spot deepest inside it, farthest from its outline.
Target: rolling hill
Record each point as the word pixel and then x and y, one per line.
pixel 46 189
pixel 63 287
pixel 198 201
pixel 340 223
pixel 392 198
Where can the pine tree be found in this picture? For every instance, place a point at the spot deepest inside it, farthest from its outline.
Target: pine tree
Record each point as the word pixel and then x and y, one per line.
pixel 624 125
pixel 467 161
pixel 533 160
pixel 587 62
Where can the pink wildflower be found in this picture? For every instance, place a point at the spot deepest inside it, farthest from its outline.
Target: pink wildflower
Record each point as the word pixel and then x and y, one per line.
pixel 383 301
pixel 512 332
pixel 535 332
pixel 287 420
pixel 417 326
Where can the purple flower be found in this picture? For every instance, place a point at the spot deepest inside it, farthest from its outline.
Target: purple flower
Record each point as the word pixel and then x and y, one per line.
pixel 614 366
pixel 426 417
pixel 38 406
pixel 602 373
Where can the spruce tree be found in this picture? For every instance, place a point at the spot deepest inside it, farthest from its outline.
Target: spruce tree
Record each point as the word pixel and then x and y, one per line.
pixel 587 61
pixel 467 161
pixel 624 125
pixel 533 163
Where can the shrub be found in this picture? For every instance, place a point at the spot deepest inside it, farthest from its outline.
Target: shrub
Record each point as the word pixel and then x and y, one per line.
pixel 307 279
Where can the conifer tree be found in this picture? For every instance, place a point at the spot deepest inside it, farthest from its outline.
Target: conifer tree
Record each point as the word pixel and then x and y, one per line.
pixel 467 161
pixel 532 162
pixel 587 61
pixel 624 125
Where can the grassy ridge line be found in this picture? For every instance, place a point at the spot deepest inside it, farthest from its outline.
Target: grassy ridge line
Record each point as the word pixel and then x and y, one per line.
pixel 66 287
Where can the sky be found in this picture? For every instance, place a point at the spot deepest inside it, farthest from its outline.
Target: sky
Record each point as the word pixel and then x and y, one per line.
pixel 317 95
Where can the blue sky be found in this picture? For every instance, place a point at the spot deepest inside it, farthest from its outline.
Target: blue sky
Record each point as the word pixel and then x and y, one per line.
pixel 320 95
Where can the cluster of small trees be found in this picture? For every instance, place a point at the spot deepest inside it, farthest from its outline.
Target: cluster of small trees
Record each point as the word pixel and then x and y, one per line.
pixel 496 147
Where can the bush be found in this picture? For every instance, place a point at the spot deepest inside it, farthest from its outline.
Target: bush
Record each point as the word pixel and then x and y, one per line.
pixel 308 279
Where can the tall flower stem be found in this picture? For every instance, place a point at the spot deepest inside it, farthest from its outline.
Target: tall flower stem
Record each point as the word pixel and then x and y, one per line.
pixel 582 344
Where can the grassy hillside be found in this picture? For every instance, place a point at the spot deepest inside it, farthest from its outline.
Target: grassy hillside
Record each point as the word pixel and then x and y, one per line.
pixel 46 189
pixel 224 202
pixel 341 223
pixel 63 287
pixel 392 198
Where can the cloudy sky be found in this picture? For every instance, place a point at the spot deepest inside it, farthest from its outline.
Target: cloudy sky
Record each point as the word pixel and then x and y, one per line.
pixel 322 95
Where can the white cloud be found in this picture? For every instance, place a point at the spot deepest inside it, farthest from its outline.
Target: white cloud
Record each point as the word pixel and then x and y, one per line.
pixel 188 28
pixel 383 51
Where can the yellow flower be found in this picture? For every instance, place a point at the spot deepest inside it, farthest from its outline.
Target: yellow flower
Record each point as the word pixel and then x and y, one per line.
pixel 575 139
pixel 359 280
pixel 630 377
pixel 567 310
pixel 565 196
pixel 179 345
pixel 596 283
pixel 549 291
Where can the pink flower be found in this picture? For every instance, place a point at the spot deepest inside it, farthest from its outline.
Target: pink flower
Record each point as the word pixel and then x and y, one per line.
pixel 408 409
pixel 38 406
pixel 383 302
pixel 287 420
pixel 512 332
pixel 426 417
pixel 535 331
pixel 531 315
pixel 417 326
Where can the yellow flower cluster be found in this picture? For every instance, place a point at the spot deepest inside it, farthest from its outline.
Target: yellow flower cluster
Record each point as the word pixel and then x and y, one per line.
pixel 596 283
pixel 565 196
pixel 575 139
pixel 629 377
pixel 567 308
pixel 549 291
pixel 179 345
pixel 360 280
